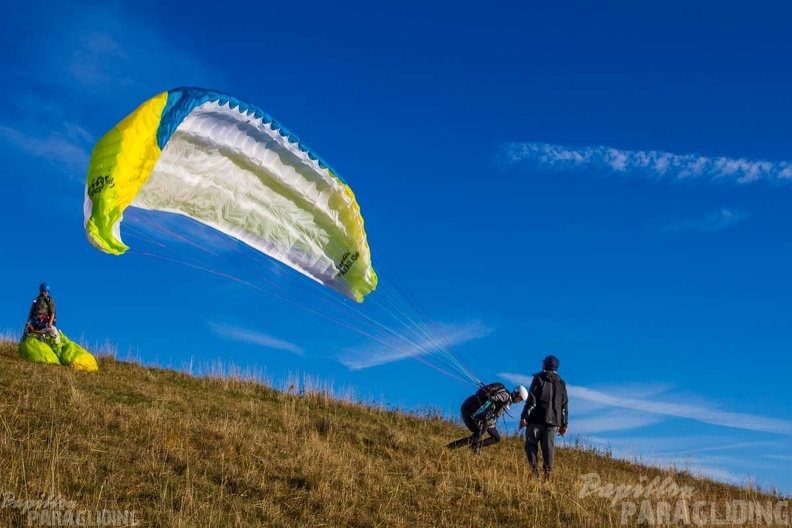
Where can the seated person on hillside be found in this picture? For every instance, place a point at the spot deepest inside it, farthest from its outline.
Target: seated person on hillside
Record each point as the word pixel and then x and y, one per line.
pixel 41 318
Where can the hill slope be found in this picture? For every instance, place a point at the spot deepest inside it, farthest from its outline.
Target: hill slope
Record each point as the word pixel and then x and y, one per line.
pixel 161 448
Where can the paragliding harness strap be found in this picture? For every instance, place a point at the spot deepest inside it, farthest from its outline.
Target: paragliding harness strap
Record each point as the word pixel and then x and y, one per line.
pixel 485 392
pixel 36 327
pixel 39 322
pixel 481 414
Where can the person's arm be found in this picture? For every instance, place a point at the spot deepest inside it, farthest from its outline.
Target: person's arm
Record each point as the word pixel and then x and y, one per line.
pixel 564 407
pixel 32 309
pixel 52 312
pixel 530 403
pixel 501 397
pixel 499 402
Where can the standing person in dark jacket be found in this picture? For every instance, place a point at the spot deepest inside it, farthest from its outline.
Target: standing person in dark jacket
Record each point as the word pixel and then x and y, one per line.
pixel 481 411
pixel 544 415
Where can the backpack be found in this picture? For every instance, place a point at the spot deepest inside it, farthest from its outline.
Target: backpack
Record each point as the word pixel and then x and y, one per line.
pixel 484 393
pixel 550 396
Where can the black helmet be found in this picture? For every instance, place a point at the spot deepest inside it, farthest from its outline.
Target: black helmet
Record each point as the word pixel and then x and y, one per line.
pixel 550 363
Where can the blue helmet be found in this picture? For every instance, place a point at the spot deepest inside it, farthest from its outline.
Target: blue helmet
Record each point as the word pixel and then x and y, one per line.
pixel 43 287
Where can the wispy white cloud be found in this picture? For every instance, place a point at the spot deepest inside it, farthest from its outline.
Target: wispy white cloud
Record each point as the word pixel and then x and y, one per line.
pixel 701 413
pixel 96 57
pixel 107 49
pixel 244 335
pixel 692 411
pixel 652 164
pixel 614 420
pixel 653 452
pixel 84 64
pixel 714 221
pixel 706 471
pixel 397 348
pixel 633 390
pixel 725 447
pixel 674 444
pixel 786 458
pixel 69 147
pixel 702 467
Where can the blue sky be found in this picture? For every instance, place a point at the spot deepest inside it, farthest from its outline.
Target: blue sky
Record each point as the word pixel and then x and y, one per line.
pixel 609 185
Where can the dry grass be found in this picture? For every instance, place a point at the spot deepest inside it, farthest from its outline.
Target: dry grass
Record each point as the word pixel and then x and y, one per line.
pixel 185 451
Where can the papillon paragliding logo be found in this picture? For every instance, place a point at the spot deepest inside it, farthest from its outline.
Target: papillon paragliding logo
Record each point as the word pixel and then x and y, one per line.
pixel 54 510
pixel 100 184
pixel 347 260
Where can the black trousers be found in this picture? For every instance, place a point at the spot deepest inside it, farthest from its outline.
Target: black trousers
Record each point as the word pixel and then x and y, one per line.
pixel 540 435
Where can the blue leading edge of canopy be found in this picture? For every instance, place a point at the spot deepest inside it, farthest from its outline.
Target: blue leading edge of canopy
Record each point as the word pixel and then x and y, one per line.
pixel 182 101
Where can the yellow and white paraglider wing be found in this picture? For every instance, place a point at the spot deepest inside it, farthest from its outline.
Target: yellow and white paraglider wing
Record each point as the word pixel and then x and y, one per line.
pixel 227 164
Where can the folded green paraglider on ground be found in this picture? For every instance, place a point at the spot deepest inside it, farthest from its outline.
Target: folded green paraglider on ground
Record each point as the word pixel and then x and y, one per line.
pixel 46 350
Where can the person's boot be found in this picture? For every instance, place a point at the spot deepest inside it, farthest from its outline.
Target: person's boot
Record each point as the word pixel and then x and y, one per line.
pixel 535 471
pixel 548 474
pixel 476 444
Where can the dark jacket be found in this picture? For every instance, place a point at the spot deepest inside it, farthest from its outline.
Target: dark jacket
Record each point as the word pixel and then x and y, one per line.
pixel 547 400
pixel 42 306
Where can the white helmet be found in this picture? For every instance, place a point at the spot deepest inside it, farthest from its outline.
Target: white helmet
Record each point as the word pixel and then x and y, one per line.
pixel 522 391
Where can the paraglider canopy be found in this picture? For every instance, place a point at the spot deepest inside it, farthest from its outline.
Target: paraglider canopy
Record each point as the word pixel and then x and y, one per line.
pixel 227 164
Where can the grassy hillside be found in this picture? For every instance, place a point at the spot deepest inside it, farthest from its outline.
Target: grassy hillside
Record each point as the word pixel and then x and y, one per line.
pixel 181 451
